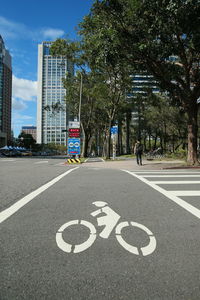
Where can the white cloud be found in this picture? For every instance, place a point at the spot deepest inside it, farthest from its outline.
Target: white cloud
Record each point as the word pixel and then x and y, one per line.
pixel 19 120
pixel 10 29
pixel 52 33
pixel 18 104
pixel 14 30
pixel 23 89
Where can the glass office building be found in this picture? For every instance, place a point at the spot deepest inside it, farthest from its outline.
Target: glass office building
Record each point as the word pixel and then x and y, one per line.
pixel 143 83
pixel 52 117
pixel 5 94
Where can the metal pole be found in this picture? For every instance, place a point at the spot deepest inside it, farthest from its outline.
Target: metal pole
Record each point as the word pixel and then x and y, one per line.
pixel 80 102
pixel 81 88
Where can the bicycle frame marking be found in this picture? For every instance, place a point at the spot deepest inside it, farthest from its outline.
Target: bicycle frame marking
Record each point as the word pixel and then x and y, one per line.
pixel 109 220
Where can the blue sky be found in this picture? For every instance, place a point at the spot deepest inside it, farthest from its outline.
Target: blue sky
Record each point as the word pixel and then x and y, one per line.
pixel 23 25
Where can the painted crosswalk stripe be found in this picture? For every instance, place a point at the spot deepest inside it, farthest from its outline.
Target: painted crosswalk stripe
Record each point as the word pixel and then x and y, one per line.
pixel 177 182
pixel 170 194
pixel 168 176
pixel 185 193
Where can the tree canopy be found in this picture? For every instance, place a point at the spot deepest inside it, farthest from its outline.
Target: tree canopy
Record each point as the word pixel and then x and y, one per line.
pixel 160 36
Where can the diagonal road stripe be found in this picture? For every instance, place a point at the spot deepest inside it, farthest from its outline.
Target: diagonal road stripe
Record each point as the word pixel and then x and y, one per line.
pixel 5 214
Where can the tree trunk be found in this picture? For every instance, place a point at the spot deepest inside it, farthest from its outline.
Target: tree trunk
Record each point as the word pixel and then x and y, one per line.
pixel 119 139
pixel 128 119
pixel 85 153
pixel 155 141
pixel 108 152
pixel 149 137
pixel 145 143
pixel 192 158
pixel 83 142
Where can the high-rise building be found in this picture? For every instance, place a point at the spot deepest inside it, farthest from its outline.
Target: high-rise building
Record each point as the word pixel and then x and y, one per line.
pixel 29 129
pixel 143 83
pixel 51 105
pixel 5 94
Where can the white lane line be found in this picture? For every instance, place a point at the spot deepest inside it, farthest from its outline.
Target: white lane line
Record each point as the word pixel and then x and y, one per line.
pixel 5 214
pixel 42 162
pixel 193 210
pixel 171 176
pixel 185 193
pixel 59 164
pixel 8 159
pixel 177 182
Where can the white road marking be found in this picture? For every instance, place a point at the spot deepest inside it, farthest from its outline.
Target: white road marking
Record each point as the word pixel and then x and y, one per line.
pixel 80 247
pixel 42 162
pixel 110 219
pixel 185 193
pixel 4 159
pixel 60 164
pixel 145 250
pixel 169 194
pixel 177 182
pixel 5 214
pixel 151 176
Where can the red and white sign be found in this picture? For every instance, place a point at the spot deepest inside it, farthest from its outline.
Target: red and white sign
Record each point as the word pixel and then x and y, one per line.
pixel 74 132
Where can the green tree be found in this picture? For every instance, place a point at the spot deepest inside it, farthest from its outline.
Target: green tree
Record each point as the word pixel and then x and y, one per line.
pixel 165 123
pixel 163 37
pixel 92 111
pixel 103 90
pixel 101 48
pixel 26 140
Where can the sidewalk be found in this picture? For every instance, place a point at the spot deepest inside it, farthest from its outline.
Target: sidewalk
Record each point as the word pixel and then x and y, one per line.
pixel 131 164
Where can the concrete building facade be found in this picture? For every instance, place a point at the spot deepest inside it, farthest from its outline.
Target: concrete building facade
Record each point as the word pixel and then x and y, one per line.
pixel 5 94
pixel 52 114
pixel 30 130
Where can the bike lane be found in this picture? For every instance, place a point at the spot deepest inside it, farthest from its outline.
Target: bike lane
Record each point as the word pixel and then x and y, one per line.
pixel 34 267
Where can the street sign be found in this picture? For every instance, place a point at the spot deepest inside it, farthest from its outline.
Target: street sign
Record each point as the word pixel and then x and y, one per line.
pixel 74 132
pixel 74 124
pixel 74 146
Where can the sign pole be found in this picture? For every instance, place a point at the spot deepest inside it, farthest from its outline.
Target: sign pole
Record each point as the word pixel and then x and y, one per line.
pixel 114 131
pixel 114 146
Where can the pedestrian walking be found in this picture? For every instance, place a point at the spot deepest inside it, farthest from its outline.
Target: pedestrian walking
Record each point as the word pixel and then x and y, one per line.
pixel 138 150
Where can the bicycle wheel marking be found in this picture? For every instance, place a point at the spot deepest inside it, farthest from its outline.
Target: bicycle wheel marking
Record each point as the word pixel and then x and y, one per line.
pixel 66 247
pixel 109 220
pixel 132 249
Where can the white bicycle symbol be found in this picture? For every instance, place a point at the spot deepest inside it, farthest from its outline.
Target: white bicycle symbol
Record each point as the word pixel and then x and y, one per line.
pixel 109 220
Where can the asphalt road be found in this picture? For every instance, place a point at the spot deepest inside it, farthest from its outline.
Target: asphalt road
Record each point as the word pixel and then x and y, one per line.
pixel 159 254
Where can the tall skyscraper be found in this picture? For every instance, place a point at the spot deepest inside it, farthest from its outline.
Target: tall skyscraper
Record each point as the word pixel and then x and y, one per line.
pixel 51 105
pixel 5 94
